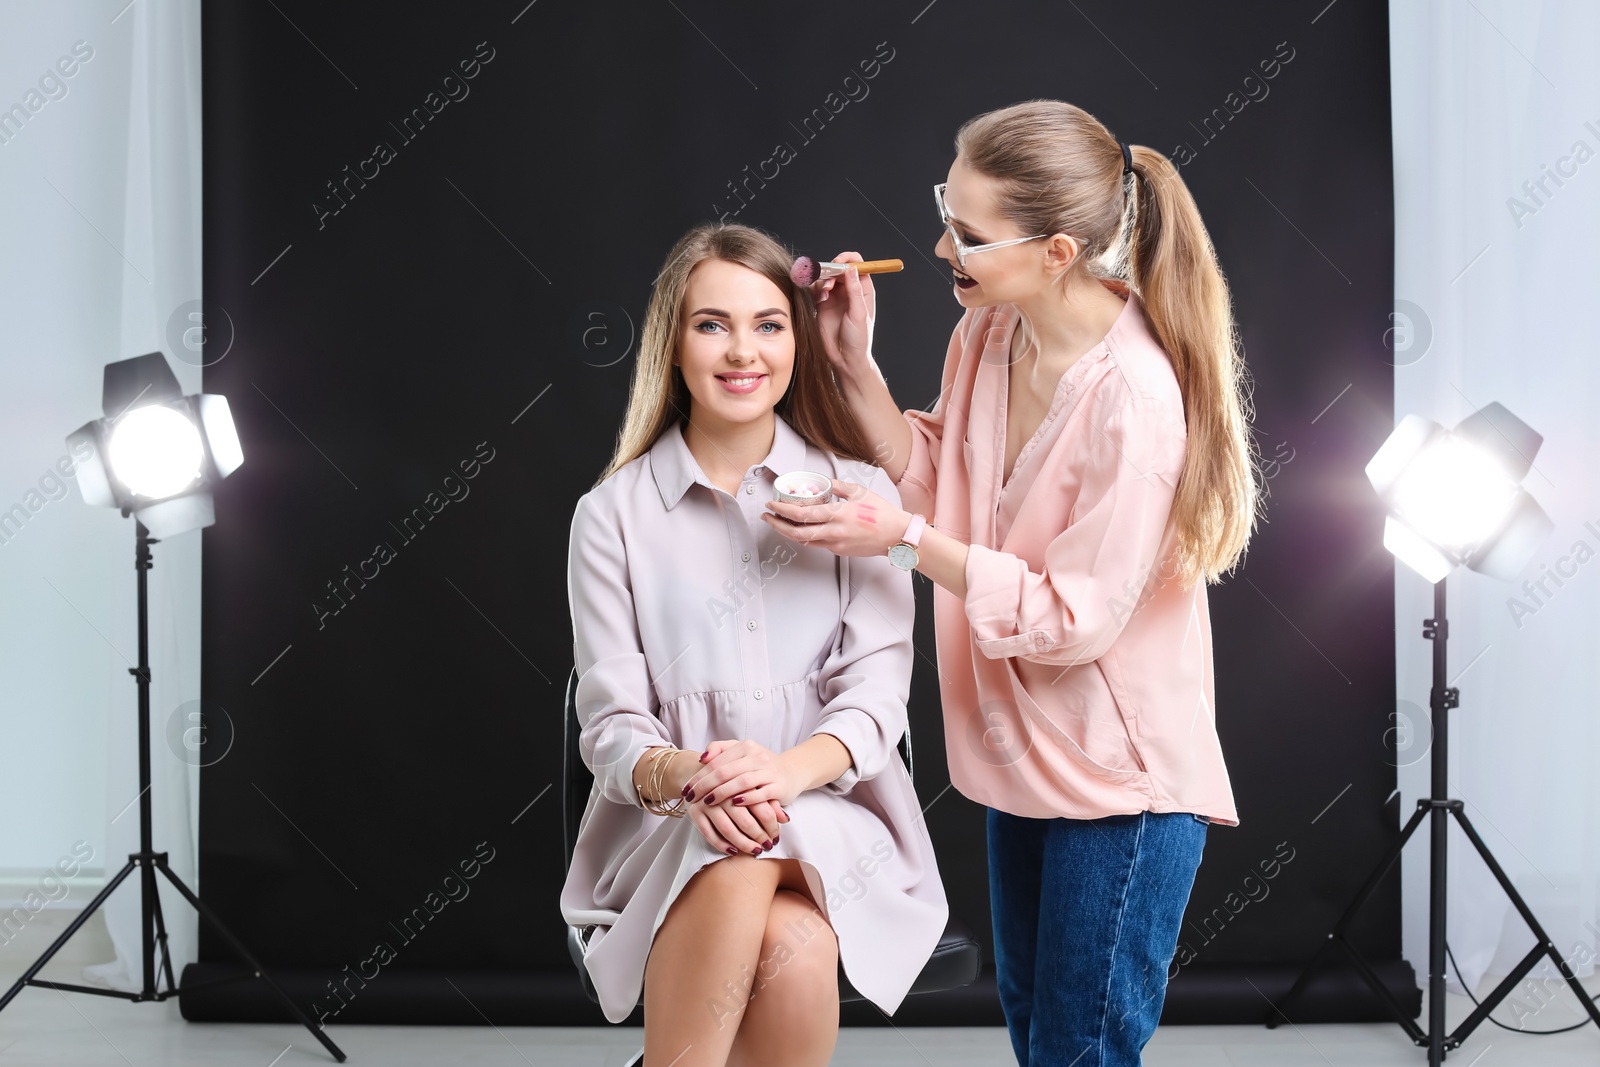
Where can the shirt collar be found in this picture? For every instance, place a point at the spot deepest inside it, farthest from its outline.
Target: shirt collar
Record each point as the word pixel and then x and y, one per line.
pixel 676 469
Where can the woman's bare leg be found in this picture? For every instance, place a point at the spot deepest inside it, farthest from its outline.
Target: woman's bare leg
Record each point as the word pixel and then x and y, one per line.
pixel 792 1019
pixel 703 962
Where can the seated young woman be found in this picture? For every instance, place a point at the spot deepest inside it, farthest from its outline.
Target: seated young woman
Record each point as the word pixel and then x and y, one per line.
pixel 752 826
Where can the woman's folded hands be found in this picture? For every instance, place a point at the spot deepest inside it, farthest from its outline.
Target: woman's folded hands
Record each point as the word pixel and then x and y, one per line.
pixel 738 794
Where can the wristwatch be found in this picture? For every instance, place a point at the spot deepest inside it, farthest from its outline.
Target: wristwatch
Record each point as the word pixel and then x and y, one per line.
pixel 904 555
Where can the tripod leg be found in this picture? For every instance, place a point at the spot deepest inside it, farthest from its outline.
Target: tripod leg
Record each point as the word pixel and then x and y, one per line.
pixel 1395 1007
pixel 1349 915
pixel 1545 945
pixel 72 929
pixel 1380 871
pixel 1501 991
pixel 244 954
pixel 161 937
pixel 147 936
pixel 1438 868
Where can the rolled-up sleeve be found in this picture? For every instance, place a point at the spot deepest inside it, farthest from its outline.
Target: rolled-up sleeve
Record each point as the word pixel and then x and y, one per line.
pixel 615 699
pixel 1095 570
pixel 919 482
pixel 865 688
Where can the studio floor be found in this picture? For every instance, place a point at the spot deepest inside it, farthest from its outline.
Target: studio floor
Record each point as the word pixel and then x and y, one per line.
pixel 46 1027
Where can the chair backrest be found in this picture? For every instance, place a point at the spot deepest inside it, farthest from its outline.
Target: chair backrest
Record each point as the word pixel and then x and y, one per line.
pixel 577 781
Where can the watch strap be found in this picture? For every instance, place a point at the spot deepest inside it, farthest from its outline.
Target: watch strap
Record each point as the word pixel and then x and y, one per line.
pixel 913 534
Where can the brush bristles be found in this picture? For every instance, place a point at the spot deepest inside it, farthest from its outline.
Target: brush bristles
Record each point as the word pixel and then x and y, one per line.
pixel 805 272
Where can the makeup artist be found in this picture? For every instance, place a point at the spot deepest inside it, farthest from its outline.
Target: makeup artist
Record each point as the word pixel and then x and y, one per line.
pixel 1085 473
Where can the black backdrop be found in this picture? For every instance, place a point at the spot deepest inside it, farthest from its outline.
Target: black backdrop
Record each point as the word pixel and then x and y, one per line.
pixel 469 292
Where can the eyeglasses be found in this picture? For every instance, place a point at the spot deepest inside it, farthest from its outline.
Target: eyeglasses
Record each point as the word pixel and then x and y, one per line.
pixel 963 250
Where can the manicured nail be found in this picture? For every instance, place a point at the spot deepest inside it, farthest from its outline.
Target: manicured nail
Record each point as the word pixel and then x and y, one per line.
pixel 738 800
pixel 767 845
pixel 685 791
pixel 711 798
pixel 732 851
pixel 688 792
pixel 703 756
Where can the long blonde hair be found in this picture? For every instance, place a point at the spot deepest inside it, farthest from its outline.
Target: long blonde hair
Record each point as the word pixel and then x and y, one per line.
pixel 659 398
pixel 1060 171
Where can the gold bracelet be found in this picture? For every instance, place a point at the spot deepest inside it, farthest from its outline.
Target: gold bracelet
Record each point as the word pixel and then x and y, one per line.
pixel 679 806
pixel 643 787
pixel 650 754
pixel 654 777
pixel 654 780
pixel 663 763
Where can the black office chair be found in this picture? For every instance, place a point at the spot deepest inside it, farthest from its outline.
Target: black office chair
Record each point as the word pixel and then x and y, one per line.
pixel 955 961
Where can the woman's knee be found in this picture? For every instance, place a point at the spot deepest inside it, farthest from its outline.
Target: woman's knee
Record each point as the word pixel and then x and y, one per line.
pixel 717 894
pixel 799 948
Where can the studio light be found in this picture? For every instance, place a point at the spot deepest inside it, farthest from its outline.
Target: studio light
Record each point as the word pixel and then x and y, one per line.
pixel 156 454
pixel 1454 498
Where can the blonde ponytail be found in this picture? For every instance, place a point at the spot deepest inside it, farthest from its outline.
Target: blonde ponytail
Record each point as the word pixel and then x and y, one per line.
pixel 1174 269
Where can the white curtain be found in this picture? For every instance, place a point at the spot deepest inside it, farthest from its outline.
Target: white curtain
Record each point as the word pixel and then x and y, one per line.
pixel 161 227
pixel 1497 218
pixel 101 172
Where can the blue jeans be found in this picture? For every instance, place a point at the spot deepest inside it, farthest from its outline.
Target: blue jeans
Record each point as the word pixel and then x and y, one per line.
pixel 1086 915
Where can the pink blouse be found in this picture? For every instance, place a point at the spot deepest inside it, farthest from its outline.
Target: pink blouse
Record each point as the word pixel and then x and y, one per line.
pixel 1076 675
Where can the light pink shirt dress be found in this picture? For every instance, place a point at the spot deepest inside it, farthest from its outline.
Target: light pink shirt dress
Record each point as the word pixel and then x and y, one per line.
pixel 1076 674
pixel 694 621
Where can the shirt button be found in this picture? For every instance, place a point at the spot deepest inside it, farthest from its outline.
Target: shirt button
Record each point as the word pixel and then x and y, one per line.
pixel 745 557
pixel 758 694
pixel 749 487
pixel 751 624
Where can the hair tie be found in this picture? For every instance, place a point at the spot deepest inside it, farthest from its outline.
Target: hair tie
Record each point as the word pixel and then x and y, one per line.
pixel 1127 158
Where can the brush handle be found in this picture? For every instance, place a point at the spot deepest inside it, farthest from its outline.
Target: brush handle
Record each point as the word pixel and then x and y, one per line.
pixel 870 266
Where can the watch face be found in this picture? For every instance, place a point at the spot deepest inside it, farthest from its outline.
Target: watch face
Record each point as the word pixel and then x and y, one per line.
pixel 904 557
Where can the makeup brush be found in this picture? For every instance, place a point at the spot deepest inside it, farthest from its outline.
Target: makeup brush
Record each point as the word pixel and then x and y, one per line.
pixel 807 271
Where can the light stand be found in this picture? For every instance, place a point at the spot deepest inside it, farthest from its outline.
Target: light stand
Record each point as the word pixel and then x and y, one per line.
pixel 148 861
pixel 1440 807
pixel 157 455
pixel 1454 498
